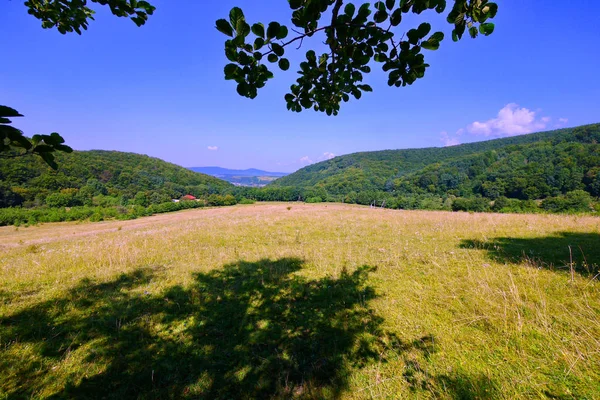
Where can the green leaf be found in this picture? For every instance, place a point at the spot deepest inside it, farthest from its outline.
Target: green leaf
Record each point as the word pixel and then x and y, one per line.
pixel 424 29
pixel 438 37
pixel 284 64
pixel 430 45
pixel 63 148
pixel 283 32
pixel 390 4
pixel 243 29
pixel 277 49
pixel 486 29
pixel 380 16
pixel 349 10
pixel 491 9
pixel 6 111
pixel 236 15
pixel 231 70
pixel 396 17
pixel 363 12
pixel 49 159
pixel 243 89
pixel 259 43
pixel 273 30
pixel 473 32
pixel 413 36
pixel 259 30
pixel 441 6
pixel 272 58
pixel 43 148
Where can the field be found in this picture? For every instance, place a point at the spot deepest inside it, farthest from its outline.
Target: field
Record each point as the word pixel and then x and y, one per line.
pixel 302 301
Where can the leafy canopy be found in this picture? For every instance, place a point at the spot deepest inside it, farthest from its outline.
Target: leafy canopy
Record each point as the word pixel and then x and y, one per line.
pixel 73 15
pixel 356 37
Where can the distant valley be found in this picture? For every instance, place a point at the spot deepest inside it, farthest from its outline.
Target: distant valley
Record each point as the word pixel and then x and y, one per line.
pixel 241 177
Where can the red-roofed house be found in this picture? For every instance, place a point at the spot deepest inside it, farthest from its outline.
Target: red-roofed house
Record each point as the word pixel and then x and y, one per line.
pixel 188 197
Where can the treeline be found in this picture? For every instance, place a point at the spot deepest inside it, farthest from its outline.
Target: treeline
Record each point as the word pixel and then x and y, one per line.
pixel 577 201
pixel 30 216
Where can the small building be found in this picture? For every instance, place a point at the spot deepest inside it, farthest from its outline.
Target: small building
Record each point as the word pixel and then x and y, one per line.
pixel 188 197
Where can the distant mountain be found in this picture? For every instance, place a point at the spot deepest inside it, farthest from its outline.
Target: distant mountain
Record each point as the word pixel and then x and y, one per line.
pixel 241 177
pixel 219 172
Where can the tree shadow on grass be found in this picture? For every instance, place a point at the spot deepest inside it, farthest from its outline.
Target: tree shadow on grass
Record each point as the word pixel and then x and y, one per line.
pixel 250 330
pixel 551 252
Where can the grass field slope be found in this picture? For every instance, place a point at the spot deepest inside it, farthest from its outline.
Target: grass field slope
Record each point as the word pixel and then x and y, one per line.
pixel 302 301
pixel 533 166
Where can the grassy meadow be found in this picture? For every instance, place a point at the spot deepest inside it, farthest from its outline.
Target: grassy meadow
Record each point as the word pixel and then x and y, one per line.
pixel 282 300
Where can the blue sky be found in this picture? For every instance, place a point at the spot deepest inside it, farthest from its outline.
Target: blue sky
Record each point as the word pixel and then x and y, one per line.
pixel 159 89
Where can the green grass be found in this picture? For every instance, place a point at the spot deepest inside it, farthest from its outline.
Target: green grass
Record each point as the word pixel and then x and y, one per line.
pixel 302 301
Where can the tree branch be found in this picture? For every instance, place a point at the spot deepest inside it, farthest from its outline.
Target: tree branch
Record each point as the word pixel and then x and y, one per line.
pixel 334 16
pixel 298 38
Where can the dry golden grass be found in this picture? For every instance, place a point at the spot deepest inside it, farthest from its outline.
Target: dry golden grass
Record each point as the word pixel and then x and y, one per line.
pixel 470 305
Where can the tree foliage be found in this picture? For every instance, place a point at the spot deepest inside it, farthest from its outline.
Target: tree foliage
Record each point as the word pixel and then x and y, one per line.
pixel 102 178
pixel 74 15
pixel 357 36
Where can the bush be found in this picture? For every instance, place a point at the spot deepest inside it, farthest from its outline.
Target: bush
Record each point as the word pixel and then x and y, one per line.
pixel 575 201
pixel 475 204
pixel 244 200
pixel 314 200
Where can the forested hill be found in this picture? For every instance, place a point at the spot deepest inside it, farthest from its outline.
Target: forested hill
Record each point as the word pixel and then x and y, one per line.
pixel 527 167
pixel 92 173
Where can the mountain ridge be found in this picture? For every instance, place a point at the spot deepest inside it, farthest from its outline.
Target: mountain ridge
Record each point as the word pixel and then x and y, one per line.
pixel 215 171
pixel 388 170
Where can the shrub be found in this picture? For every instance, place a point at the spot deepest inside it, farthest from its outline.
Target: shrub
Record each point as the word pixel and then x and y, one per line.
pixel 314 200
pixel 575 201
pixel 476 204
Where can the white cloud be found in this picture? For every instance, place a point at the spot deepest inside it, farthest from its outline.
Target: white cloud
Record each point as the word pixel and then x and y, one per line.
pixel 563 121
pixel 305 160
pixel 213 148
pixel 327 156
pixel 511 120
pixel 448 140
